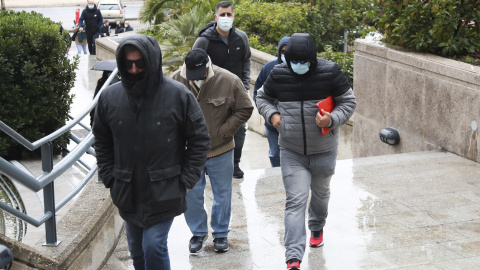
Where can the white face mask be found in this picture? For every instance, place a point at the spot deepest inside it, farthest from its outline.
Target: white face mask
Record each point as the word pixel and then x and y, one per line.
pixel 198 83
pixel 225 23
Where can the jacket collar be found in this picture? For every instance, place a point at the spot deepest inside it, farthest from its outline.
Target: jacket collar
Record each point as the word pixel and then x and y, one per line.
pixel 211 73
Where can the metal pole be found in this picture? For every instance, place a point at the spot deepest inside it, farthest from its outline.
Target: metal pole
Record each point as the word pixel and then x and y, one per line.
pixel 49 197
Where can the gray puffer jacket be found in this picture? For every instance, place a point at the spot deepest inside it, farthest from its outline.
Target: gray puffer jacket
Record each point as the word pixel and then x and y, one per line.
pixel 297 96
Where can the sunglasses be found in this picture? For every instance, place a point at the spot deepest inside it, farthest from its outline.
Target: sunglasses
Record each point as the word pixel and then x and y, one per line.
pixel 139 63
pixel 227 14
pixel 298 62
pixel 282 51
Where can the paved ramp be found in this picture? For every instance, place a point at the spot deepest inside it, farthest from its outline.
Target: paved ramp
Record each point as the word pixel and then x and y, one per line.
pixel 407 211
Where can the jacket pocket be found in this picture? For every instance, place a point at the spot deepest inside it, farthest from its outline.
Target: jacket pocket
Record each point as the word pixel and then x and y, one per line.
pixel 167 191
pixel 216 114
pixel 121 190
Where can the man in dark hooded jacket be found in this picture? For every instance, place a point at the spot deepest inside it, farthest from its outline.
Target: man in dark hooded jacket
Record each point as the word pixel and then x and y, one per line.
pixel 228 48
pixel 151 143
pixel 93 21
pixel 288 100
pixel 271 131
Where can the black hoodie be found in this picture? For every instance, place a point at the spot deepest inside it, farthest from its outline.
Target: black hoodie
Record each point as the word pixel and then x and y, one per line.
pixel 93 19
pixel 151 139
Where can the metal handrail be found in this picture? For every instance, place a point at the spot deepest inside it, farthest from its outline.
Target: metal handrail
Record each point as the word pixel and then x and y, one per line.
pixel 52 136
pixel 46 180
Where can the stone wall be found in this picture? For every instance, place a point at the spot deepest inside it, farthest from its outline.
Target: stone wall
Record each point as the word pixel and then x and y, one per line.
pixel 258 60
pixel 432 101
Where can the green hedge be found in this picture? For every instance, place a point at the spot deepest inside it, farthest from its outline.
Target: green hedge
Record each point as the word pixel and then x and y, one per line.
pixel 442 27
pixel 267 23
pixel 36 76
pixel 344 60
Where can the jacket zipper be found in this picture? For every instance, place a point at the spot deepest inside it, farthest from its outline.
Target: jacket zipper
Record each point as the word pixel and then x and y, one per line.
pixel 303 128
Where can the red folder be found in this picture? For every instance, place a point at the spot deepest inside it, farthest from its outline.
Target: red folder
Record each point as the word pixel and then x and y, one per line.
pixel 327 105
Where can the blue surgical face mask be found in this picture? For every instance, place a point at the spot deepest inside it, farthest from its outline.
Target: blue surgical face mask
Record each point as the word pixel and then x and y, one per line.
pixel 91 6
pixel 283 59
pixel 300 68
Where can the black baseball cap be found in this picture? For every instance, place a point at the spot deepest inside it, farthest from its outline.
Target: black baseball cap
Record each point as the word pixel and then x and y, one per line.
pixel 196 62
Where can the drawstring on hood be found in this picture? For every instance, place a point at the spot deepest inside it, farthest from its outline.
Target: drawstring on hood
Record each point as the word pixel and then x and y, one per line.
pixel 152 55
pixel 301 47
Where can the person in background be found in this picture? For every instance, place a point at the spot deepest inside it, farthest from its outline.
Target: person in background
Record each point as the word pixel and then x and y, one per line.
pixel 105 29
pixel 80 38
pixel 93 21
pixel 128 28
pixel 226 106
pixel 151 143
pixel 228 48
pixel 271 131
pixel 287 100
pixel 119 28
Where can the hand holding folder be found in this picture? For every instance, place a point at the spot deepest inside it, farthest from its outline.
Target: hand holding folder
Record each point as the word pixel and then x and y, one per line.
pixel 327 105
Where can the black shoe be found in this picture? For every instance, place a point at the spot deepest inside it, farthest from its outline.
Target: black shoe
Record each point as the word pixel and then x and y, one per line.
pixel 237 172
pixel 196 243
pixel 220 244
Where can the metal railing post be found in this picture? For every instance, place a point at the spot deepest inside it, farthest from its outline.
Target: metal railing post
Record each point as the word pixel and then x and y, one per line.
pixel 49 197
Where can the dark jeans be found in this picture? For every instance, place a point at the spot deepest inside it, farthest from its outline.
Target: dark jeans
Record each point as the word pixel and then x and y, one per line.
pixel 91 37
pixel 148 246
pixel 274 149
pixel 239 139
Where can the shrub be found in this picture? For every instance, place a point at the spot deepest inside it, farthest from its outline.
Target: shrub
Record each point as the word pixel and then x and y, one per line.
pixel 267 23
pixel 330 19
pixel 442 27
pixel 344 60
pixel 178 36
pixel 325 20
pixel 35 79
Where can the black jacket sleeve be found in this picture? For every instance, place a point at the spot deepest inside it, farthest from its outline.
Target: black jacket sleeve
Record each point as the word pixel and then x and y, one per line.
pixel 103 144
pixel 198 143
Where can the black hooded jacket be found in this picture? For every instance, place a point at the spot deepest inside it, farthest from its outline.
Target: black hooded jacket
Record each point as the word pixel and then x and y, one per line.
pixel 234 57
pixel 151 139
pixel 93 19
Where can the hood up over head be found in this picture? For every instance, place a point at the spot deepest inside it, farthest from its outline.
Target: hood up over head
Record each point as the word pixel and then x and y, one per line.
pixel 282 42
pixel 152 55
pixel 301 47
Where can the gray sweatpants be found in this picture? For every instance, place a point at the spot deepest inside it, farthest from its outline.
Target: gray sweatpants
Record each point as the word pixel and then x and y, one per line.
pixel 301 173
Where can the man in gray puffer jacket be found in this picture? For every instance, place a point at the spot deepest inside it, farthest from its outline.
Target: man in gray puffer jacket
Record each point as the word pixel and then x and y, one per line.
pixel 308 159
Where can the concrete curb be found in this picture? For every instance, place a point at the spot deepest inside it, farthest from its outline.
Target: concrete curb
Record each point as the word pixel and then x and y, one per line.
pixel 89 233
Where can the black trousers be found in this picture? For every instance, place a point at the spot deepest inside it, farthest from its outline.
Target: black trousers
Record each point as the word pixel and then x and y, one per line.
pixel 239 139
pixel 91 37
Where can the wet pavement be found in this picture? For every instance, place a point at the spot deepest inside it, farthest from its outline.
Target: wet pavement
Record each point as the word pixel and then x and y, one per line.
pixel 407 211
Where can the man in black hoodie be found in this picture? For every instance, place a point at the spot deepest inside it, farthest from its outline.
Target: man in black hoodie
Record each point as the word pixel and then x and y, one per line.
pixel 93 21
pixel 151 142
pixel 228 48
